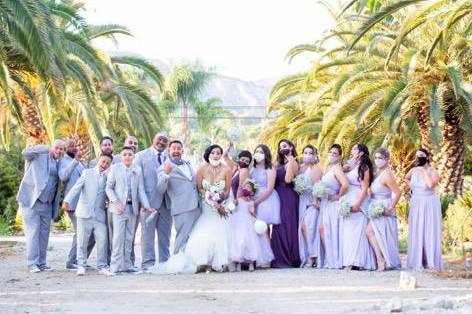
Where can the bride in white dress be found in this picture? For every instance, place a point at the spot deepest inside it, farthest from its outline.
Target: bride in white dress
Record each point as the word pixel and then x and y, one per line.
pixel 207 246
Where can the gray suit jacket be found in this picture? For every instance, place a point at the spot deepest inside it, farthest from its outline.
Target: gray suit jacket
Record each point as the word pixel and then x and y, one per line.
pixel 36 177
pixel 117 188
pixel 89 194
pixel 69 173
pixel 147 161
pixel 180 192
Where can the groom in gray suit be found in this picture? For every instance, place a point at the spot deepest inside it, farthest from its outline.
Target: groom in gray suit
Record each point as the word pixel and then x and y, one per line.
pixel 160 223
pixel 38 197
pixel 178 181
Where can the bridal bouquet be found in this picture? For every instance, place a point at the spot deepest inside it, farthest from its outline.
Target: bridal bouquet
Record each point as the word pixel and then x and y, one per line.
pixel 344 209
pixel 213 197
pixel 376 209
pixel 302 184
pixel 320 190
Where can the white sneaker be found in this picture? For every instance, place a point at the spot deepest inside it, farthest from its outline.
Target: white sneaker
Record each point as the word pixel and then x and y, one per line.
pixel 34 269
pixel 106 272
pixel 80 271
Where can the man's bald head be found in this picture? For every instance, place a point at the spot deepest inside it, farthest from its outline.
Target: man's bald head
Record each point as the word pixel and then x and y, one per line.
pixel 160 142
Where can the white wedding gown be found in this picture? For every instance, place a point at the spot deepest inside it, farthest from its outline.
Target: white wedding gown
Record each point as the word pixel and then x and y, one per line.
pixel 207 244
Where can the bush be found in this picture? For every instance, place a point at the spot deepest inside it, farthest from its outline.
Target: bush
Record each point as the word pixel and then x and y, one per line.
pixel 11 173
pixel 457 228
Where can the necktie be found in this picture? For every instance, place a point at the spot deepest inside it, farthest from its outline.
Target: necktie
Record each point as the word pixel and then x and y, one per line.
pixel 159 160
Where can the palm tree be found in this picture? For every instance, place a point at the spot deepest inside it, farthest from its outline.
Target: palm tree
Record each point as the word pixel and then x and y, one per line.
pixel 184 84
pixel 208 111
pixel 446 54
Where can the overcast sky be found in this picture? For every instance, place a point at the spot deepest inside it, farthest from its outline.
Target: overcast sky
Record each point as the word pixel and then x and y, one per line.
pixel 247 39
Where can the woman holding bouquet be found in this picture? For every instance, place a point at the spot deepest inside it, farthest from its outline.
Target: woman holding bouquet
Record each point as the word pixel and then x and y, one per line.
pixel 336 184
pixel 356 251
pixel 382 231
pixel 424 233
pixel 308 235
pixel 284 239
pixel 207 246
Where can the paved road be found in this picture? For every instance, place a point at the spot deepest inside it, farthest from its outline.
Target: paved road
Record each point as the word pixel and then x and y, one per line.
pixel 268 291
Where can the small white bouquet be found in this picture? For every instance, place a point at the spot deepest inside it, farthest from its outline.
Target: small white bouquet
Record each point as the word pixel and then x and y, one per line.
pixel 376 209
pixel 302 184
pixel 320 190
pixel 344 208
pixel 260 226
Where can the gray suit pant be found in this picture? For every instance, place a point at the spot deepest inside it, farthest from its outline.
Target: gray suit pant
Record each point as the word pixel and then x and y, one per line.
pixel 37 225
pixel 72 258
pixel 184 223
pixel 86 228
pixel 124 226
pixel 161 225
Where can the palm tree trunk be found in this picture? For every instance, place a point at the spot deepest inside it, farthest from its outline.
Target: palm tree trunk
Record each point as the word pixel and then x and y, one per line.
pixel 32 126
pixel 422 120
pixel 451 161
pixel 186 123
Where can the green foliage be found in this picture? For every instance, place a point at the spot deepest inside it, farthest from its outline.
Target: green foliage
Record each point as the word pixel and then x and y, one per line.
pixel 11 173
pixel 458 225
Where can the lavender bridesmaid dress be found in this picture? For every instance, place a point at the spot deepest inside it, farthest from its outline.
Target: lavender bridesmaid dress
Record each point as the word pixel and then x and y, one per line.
pixel 385 227
pixel 424 226
pixel 330 254
pixel 269 209
pixel 356 250
pixel 308 215
pixel 284 240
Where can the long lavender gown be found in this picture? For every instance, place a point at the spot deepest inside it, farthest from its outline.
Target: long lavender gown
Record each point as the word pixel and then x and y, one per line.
pixel 424 226
pixel 309 216
pixel 245 245
pixel 269 209
pixel 330 254
pixel 356 250
pixel 385 227
pixel 284 240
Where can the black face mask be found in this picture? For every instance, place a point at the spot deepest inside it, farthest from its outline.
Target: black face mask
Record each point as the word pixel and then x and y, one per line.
pixel 71 155
pixel 421 161
pixel 242 164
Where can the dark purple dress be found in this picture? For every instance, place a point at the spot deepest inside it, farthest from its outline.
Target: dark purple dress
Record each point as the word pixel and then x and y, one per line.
pixel 235 184
pixel 284 240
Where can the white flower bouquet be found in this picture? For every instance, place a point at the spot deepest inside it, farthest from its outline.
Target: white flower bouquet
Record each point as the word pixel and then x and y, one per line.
pixel 376 209
pixel 302 184
pixel 320 190
pixel 344 209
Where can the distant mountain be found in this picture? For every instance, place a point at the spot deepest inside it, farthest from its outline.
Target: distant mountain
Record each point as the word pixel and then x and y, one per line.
pixel 241 97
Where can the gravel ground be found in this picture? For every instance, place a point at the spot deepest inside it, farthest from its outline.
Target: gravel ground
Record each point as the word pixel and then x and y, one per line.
pixel 264 291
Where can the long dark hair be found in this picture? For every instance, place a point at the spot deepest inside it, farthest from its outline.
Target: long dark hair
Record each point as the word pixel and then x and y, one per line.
pixel 267 154
pixel 280 157
pixel 365 163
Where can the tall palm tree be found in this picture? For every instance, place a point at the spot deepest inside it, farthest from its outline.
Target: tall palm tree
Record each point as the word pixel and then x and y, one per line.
pixel 446 53
pixel 184 84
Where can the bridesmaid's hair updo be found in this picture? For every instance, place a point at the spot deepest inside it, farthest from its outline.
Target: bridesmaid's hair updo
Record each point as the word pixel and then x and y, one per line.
pixel 315 152
pixel 267 155
pixel 280 157
pixel 206 155
pixel 383 151
pixel 365 163
pixel 338 148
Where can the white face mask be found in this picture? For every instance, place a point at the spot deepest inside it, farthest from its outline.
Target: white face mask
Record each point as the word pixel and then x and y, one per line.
pixel 258 157
pixel 332 159
pixel 215 163
pixel 380 163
